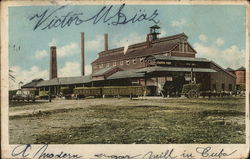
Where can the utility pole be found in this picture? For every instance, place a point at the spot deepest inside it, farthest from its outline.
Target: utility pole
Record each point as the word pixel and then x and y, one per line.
pixel 192 73
pixel 50 94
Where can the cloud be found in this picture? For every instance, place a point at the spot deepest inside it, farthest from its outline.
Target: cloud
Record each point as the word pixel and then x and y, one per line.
pixel 132 38
pixel 65 50
pixel 178 23
pixel 219 41
pixel 68 50
pixel 163 33
pixel 88 69
pixel 53 42
pixel 73 68
pixel 25 76
pixel 95 45
pixel 40 54
pixel 232 56
pixel 203 38
pixel 70 69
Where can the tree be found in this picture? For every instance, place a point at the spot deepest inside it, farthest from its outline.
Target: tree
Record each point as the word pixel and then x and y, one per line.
pixel 11 75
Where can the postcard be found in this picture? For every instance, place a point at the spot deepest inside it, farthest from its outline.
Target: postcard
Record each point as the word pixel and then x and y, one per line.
pixel 124 79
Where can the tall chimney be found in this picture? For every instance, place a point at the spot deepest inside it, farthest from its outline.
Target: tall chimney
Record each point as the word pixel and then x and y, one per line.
pixel 53 63
pixel 106 42
pixel 82 51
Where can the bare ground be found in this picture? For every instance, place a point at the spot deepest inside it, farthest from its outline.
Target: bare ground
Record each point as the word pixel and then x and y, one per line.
pixel 113 120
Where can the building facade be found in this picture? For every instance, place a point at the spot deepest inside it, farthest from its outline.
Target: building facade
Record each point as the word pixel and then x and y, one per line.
pixel 161 64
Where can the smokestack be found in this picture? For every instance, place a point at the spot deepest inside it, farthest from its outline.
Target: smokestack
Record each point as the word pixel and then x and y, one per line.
pixel 106 42
pixel 53 63
pixel 82 51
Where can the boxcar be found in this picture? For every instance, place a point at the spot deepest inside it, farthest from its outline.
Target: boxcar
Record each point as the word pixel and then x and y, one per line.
pixel 88 91
pixel 43 94
pixel 109 91
pixel 123 91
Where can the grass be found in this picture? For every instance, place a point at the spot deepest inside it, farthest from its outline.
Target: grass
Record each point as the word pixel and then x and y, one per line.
pixel 175 121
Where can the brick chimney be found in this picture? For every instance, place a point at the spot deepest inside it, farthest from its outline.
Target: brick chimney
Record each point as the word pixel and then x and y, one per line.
pixel 106 42
pixel 82 52
pixel 53 63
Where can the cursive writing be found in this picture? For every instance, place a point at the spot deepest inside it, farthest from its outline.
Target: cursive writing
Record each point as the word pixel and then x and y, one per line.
pixel 207 152
pixel 101 155
pixel 48 18
pixel 163 155
pixel 22 151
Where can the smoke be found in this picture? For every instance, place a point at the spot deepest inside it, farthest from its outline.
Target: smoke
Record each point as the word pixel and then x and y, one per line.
pixel 125 45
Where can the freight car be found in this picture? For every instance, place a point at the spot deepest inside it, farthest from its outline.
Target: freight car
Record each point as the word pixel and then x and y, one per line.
pixel 43 95
pixel 82 92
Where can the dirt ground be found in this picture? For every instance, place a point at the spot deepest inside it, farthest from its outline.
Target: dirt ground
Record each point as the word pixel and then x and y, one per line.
pixel 113 120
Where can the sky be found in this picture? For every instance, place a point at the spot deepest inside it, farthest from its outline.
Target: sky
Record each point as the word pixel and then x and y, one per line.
pixel 216 32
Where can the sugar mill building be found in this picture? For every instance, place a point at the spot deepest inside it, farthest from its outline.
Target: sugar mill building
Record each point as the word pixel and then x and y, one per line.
pixel 160 64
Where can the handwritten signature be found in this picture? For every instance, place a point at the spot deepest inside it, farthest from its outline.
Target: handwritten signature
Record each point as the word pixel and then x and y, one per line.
pixel 24 152
pixel 48 20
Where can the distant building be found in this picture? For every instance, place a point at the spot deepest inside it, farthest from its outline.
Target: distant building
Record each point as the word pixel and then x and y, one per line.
pixel 240 75
pixel 230 70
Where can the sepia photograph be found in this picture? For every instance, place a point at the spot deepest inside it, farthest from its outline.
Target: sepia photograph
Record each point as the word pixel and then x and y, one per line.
pixel 113 73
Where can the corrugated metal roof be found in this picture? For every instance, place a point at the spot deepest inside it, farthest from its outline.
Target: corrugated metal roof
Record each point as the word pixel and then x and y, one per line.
pixel 51 82
pixel 134 50
pixel 141 72
pixel 174 69
pixel 241 69
pixel 126 74
pixel 137 53
pixel 218 66
pixel 176 58
pixel 102 71
pixel 66 81
pixel 75 80
pixel 229 69
pixel 33 83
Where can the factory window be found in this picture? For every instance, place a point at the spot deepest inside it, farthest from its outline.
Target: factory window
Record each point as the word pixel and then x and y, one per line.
pixel 134 61
pixel 114 63
pixel 141 59
pixel 168 62
pixel 107 65
pixel 121 62
pixel 223 86
pixel 127 62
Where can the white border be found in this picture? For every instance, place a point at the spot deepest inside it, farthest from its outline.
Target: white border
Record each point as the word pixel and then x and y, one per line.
pixel 88 150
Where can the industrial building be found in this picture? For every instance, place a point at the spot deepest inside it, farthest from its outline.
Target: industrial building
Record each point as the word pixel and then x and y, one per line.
pixel 240 74
pixel 160 64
